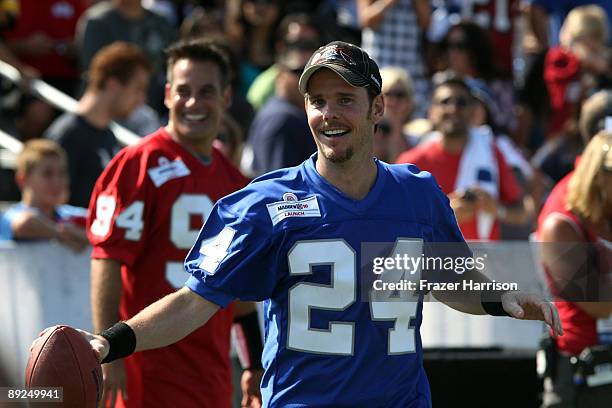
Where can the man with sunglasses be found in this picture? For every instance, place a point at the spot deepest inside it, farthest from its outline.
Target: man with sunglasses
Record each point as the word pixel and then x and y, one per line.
pixel 467 165
pixel 279 136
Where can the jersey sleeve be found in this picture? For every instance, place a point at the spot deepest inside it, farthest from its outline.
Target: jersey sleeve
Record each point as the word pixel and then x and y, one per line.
pixel 232 259
pixel 117 221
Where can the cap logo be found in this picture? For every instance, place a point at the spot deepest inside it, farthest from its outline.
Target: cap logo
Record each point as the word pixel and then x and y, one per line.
pixel 373 78
pixel 333 53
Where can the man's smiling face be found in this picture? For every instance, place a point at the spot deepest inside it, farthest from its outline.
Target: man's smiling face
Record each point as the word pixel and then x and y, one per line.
pixel 340 117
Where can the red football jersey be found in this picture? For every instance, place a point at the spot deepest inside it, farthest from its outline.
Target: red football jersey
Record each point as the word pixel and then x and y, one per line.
pixel 146 210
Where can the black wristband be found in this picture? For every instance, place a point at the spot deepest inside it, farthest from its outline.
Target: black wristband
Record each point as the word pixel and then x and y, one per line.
pixel 248 339
pixel 495 309
pixel 122 341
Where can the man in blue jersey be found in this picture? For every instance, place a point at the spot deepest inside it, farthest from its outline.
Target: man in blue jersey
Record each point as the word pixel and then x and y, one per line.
pixel 294 238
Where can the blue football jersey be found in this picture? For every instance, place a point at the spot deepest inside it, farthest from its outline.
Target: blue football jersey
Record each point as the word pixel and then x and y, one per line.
pixel 294 240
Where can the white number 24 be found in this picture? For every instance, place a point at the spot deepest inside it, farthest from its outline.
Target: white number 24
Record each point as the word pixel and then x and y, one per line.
pixel 339 338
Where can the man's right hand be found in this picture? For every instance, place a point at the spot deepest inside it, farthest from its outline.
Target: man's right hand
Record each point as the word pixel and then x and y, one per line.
pixel 114 375
pixel 115 382
pixel 98 343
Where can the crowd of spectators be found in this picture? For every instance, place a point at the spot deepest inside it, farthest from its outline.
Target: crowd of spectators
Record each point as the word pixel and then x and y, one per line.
pixel 496 98
pixel 524 69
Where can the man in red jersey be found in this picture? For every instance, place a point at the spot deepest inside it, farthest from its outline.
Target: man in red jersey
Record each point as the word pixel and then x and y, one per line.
pixel 145 213
pixel 467 164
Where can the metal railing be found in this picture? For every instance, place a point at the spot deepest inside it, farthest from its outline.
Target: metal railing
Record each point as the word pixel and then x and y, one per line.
pixel 56 98
pixel 12 147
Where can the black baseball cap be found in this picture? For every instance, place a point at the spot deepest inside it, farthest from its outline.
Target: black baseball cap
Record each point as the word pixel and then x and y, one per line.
pixel 352 63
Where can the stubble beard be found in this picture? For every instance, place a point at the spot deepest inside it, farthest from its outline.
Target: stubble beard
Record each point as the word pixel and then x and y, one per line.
pixel 339 158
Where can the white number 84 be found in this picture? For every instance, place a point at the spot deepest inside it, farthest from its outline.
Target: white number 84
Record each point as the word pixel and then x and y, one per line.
pixel 131 219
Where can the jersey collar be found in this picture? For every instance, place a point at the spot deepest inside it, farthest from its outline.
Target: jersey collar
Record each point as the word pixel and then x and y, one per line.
pixel 330 191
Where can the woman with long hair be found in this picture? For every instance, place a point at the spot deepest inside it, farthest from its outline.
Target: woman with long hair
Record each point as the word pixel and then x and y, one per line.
pixel 575 231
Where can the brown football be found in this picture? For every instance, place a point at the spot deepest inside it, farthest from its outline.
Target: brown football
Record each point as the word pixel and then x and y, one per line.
pixel 63 358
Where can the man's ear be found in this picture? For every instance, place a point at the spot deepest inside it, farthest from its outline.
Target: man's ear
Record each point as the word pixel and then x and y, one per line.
pixel 378 108
pixel 20 179
pixel 167 96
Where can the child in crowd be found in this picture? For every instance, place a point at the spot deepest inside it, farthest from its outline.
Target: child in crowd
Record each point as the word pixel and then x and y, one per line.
pixel 42 178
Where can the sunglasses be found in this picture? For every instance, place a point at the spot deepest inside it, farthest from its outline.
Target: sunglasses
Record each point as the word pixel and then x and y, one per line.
pixel 396 94
pixel 459 101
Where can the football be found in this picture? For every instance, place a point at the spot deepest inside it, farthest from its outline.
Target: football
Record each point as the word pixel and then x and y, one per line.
pixel 63 358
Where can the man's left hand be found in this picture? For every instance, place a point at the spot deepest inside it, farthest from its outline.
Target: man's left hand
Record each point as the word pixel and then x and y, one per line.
pixel 527 306
pixel 249 383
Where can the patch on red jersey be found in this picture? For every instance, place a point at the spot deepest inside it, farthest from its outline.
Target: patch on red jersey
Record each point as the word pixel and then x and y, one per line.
pixel 168 170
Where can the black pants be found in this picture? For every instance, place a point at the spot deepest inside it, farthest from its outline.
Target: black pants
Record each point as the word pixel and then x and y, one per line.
pixel 561 392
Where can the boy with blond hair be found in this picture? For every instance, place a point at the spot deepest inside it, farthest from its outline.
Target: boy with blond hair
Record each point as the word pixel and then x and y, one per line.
pixel 42 177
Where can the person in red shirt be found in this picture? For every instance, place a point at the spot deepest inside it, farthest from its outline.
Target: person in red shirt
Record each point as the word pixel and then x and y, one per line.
pixel 145 213
pixel 553 222
pixel 576 227
pixel 467 165
pixel 42 40
pixel 572 69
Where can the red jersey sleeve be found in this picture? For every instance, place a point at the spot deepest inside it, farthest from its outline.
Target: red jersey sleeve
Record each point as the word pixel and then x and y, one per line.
pixel 509 189
pixel 116 224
